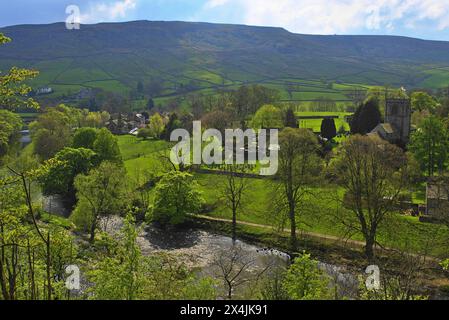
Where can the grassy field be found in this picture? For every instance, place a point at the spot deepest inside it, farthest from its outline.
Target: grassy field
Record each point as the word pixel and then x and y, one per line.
pixel 142 156
pixel 318 212
pixel 315 124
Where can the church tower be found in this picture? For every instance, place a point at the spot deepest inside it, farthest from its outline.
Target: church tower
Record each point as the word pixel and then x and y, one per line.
pixel 398 114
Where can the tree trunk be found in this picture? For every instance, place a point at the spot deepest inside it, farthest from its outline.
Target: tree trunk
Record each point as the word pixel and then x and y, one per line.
pixel 369 248
pixel 92 231
pixel 292 228
pixel 49 289
pixel 234 225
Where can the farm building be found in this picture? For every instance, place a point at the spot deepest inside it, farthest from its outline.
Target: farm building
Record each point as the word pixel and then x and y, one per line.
pixel 437 196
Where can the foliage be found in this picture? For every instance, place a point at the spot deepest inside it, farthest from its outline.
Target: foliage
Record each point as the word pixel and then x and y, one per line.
pixel 305 281
pixel 85 138
pixel 366 118
pixel 290 119
pixel 51 132
pixel 10 125
pixel 176 195
pixel 430 145
pixel 71 162
pixel 328 129
pixel 422 101
pixel 106 146
pixel 125 274
pixel 13 91
pixel 101 192
pixel 144 133
pixel 268 117
pixel 156 126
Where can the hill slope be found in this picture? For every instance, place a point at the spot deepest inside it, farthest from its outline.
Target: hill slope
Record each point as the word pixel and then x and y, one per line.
pixel 191 56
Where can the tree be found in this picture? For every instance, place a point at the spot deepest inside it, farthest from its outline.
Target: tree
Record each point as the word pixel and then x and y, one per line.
pixel 430 145
pixel 123 273
pixel 176 195
pixel 328 129
pixel 106 146
pixel 299 166
pixel 248 99
pixel 144 133
pixel 101 192
pixel 422 101
pixel 23 174
pixel 216 119
pixel 173 124
pixel 13 91
pixel 10 125
pixel 85 138
pixel 290 119
pixel 366 117
pixel 268 117
pixel 60 178
pixel 51 132
pixel 373 173
pixel 150 104
pixel 156 125
pixel 233 191
pixel 305 281
pixel 236 268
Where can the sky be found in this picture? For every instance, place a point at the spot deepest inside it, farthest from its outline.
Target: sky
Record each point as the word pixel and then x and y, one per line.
pixel 426 19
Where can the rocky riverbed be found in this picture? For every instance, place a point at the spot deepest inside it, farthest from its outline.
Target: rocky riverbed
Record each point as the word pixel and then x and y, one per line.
pixel 198 249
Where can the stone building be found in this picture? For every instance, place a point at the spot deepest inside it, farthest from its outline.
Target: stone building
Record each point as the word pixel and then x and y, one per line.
pixel 437 198
pixel 397 126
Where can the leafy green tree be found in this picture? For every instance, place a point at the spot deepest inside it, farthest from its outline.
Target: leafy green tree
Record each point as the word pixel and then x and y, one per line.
pixel 305 281
pixel 268 116
pixel 366 118
pixel 85 138
pixel 101 192
pixel 422 101
pixel 290 119
pixel 13 91
pixel 119 276
pixel 106 146
pixel 51 132
pixel 156 126
pixel 60 178
pixel 176 195
pixel 299 167
pixel 430 145
pixel 328 129
pixel 10 125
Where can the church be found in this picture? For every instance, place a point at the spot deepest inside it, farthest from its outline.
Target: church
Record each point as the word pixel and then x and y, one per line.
pixel 397 126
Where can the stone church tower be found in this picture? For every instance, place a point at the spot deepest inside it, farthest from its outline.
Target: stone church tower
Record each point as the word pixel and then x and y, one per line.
pixel 397 126
pixel 398 113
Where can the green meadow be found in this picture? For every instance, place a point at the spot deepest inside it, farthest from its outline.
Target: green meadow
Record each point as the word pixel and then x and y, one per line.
pixel 319 210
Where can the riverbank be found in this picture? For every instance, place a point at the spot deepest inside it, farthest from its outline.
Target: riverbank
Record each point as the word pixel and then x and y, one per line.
pixel 431 279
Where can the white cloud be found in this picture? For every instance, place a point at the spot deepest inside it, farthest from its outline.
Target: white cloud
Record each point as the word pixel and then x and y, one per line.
pixel 109 11
pixel 338 16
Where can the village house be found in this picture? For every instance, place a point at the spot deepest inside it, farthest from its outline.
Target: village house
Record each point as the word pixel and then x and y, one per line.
pixel 126 124
pixel 437 198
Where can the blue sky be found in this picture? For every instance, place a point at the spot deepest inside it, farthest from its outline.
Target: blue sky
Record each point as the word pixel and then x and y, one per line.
pixel 428 19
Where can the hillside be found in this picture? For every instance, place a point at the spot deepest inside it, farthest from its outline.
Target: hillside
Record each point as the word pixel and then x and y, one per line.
pixel 175 57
